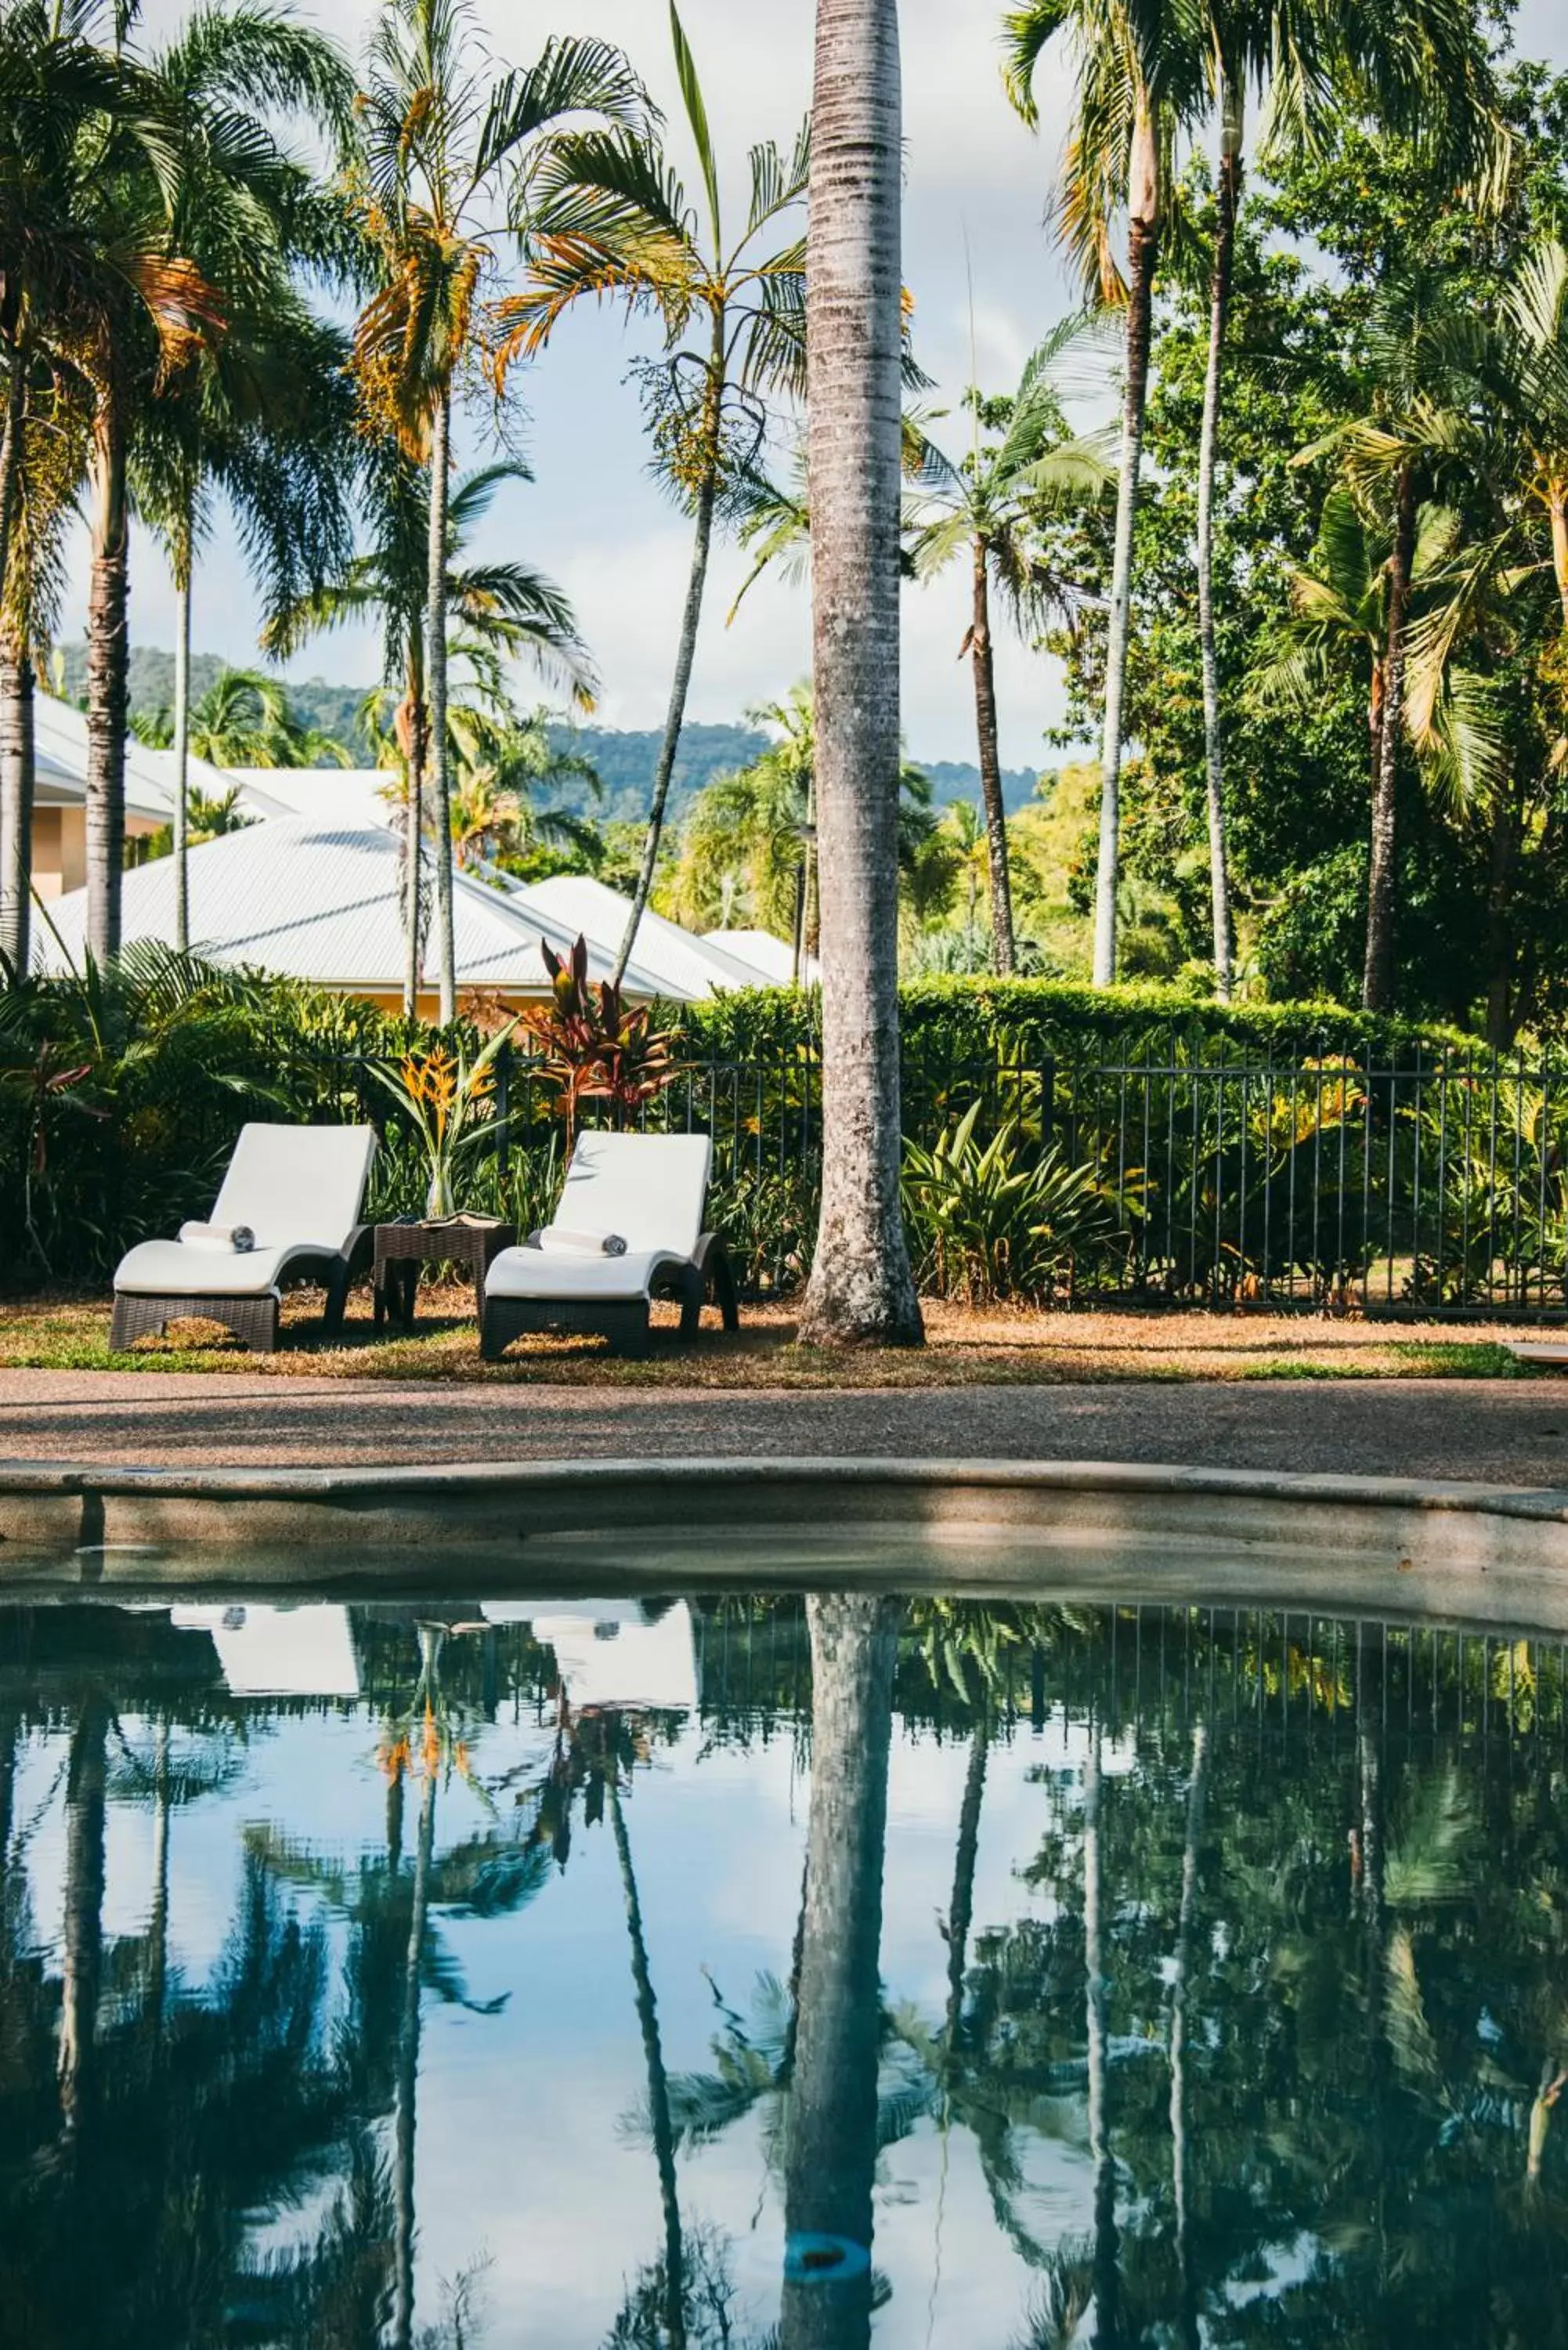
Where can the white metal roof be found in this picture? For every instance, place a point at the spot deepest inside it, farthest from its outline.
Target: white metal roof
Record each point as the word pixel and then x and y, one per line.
pixel 773 959
pixel 61 735
pixel 323 902
pixel 353 795
pixel 676 962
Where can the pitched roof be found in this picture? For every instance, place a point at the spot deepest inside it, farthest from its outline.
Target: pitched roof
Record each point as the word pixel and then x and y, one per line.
pixel 678 963
pixel 772 959
pixel 61 736
pixel 323 902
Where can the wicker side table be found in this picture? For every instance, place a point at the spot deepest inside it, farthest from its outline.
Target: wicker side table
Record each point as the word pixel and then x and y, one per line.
pixel 401 1249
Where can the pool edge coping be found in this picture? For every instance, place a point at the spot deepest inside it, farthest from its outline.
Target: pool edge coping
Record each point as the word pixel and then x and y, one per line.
pixel 34 1479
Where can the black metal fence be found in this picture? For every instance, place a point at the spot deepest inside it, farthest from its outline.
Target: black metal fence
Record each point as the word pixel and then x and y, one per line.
pixel 1434 1185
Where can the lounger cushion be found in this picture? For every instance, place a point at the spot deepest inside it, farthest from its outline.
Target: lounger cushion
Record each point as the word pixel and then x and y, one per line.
pixel 297 1183
pixel 532 1272
pixel 300 1189
pixel 648 1188
pixel 177 1269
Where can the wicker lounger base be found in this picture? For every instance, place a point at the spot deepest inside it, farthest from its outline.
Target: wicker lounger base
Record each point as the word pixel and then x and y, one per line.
pixel 252 1320
pixel 622 1321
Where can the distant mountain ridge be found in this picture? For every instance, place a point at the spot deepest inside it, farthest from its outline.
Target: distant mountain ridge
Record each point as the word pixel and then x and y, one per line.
pixel 624 759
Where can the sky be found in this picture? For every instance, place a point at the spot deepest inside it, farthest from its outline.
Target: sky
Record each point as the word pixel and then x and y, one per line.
pixel 986 279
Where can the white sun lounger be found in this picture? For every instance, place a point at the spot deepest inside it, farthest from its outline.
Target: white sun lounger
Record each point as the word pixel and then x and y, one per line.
pixel 299 1189
pixel 643 1195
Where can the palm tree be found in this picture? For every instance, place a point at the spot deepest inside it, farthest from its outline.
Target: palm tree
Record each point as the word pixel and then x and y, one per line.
pixel 1420 349
pixel 988 506
pixel 611 217
pixel 243 720
pixel 1419 69
pixel 831 2147
pixel 232 185
pixel 103 295
pixel 1140 77
pixel 505 610
pixel 263 419
pixel 51 453
pixel 446 149
pixel 861 1286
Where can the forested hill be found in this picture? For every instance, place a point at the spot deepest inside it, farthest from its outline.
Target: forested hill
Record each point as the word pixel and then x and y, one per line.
pixel 623 760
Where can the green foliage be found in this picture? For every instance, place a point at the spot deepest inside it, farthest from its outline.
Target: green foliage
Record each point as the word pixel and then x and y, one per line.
pixel 986 1222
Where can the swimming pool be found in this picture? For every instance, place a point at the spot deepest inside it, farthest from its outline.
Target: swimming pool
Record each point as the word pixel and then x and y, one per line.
pixel 742 1966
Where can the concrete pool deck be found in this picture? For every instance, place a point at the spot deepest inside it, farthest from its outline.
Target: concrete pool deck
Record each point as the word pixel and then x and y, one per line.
pixel 1505 1432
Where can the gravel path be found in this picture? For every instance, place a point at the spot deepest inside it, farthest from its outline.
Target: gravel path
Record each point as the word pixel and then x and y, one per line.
pixel 1500 1431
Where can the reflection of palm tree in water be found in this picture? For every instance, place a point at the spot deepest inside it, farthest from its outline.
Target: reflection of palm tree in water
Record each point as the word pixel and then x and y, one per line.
pixel 831 2151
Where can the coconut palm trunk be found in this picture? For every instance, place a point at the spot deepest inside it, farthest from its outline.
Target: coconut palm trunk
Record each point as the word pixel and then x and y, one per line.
pixel 87 1786
pixel 1227 192
pixel 1557 510
pixel 1107 2296
pixel 982 662
pixel 685 651
pixel 182 749
pixel 831 2150
pixel 406 2129
pixel 961 1910
pixel 1180 2179
pixel 108 654
pixel 1377 986
pixel 435 670
pixel 17 770
pixel 158 1924
pixel 10 439
pixel 1143 254
pixel 659 2113
pixel 861 1286
pixel 413 737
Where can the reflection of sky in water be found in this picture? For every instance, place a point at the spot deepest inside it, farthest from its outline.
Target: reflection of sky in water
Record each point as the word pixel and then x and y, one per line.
pixel 531 2159
pixel 528 2157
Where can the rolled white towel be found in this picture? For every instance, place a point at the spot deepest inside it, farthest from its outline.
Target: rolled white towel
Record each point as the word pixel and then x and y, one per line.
pixel 237 1238
pixel 556 1240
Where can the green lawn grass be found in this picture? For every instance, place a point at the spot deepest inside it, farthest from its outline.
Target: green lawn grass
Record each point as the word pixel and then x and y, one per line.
pixel 964 1348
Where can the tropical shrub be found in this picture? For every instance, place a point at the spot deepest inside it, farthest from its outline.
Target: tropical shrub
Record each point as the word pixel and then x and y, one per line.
pixel 597 1048
pixel 987 1223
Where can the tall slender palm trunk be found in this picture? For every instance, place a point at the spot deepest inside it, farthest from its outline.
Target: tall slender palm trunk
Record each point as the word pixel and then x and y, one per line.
pixel 1557 508
pixel 435 670
pixel 1107 2278
pixel 1143 254
pixel 16 366
pixel 81 1961
pixel 404 2225
pixel 1228 193
pixel 182 828
pixel 1180 2177
pixel 1378 984
pixel 158 1924
pixel 108 681
pixel 961 1910
pixel 830 2156
pixel 685 651
pixel 413 740
pixel 861 1285
pixel 983 661
pixel 657 2083
pixel 17 772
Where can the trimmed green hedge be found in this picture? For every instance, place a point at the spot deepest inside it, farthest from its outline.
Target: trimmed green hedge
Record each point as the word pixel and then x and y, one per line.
pixel 1026 1018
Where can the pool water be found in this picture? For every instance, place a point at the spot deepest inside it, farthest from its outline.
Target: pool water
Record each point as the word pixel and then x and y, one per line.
pixel 712 1972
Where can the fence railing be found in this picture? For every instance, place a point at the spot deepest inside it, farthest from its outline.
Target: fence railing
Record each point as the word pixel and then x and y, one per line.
pixel 1432 1186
